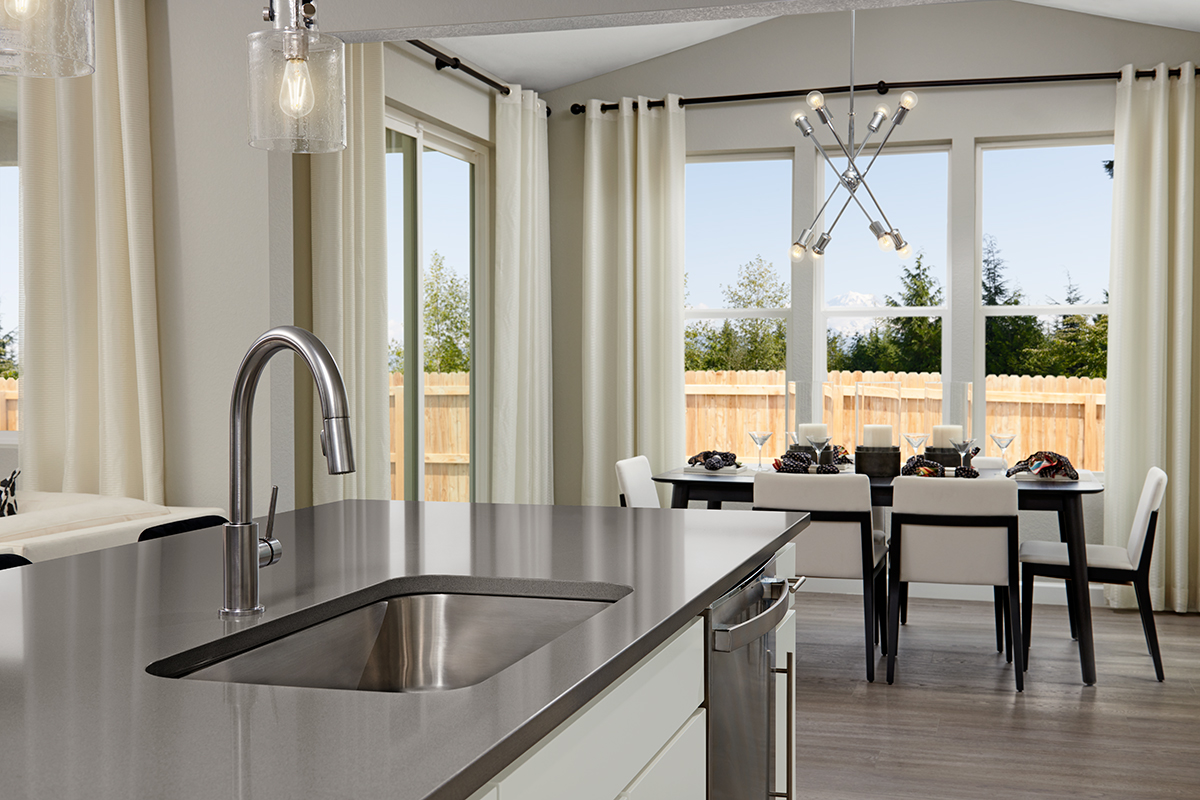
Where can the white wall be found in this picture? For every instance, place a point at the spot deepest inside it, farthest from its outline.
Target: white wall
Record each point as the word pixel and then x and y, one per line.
pixel 983 39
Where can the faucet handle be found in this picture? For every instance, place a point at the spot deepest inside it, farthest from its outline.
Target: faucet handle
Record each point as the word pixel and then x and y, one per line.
pixel 269 548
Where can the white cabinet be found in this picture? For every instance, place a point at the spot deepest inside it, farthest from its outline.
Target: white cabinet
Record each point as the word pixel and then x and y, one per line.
pixel 607 746
pixel 678 771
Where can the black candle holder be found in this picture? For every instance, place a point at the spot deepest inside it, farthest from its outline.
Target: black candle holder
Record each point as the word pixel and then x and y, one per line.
pixel 947 456
pixel 826 454
pixel 877 462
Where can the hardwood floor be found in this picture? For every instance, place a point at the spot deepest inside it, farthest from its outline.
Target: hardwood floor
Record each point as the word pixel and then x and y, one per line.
pixel 953 726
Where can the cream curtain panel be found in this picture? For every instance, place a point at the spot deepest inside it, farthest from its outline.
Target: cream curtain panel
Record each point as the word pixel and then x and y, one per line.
pixel 1152 382
pixel 91 394
pixel 349 254
pixel 522 414
pixel 633 234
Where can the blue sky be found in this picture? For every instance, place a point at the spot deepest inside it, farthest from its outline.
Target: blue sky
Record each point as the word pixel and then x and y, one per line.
pixel 1041 204
pixel 446 219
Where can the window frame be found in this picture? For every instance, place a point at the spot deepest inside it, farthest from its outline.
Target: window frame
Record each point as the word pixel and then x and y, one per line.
pixel 431 136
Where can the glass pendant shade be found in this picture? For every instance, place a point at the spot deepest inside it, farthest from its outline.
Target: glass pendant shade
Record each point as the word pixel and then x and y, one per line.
pixel 47 38
pixel 297 91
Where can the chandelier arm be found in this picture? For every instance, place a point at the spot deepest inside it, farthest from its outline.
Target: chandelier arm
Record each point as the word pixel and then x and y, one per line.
pixel 845 205
pixel 839 141
pixel 886 221
pixel 841 178
pixel 878 150
pixel 862 146
pixel 825 204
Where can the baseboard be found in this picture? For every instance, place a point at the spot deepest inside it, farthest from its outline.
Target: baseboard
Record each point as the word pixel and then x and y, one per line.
pixel 1047 591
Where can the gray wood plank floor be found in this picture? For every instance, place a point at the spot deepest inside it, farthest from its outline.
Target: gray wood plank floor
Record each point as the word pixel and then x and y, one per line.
pixel 953 725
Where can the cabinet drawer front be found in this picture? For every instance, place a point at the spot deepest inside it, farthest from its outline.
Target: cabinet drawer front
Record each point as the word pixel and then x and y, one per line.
pixel 678 771
pixel 598 752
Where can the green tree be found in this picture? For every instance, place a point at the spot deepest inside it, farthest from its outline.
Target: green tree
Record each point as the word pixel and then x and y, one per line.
pixel 1007 340
pixel 1075 346
pixel 915 343
pixel 743 343
pixel 447 319
pixel 395 357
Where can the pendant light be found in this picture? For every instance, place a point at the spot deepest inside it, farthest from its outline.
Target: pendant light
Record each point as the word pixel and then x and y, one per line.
pixel 297 83
pixel 47 38
pixel 853 177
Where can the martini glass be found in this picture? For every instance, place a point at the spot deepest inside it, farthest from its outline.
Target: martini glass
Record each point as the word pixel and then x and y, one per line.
pixel 1003 440
pixel 793 438
pixel 760 438
pixel 818 443
pixel 962 447
pixel 915 440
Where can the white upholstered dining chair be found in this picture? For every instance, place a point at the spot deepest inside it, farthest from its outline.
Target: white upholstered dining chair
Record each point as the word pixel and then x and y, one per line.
pixel 958 531
pixel 636 483
pixel 1106 564
pixel 839 542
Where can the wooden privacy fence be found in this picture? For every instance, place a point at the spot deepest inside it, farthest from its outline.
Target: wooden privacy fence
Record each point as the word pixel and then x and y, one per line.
pixel 9 393
pixel 1043 413
pixel 447 435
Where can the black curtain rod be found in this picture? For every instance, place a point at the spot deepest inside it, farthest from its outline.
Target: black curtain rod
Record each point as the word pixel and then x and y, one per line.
pixel 445 60
pixel 883 87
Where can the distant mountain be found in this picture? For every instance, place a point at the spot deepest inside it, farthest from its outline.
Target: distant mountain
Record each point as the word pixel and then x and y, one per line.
pixel 853 326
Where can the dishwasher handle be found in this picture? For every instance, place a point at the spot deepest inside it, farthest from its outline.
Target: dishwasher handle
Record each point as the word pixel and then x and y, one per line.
pixel 726 639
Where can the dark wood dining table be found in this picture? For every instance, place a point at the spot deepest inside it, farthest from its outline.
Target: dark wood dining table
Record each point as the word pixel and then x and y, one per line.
pixel 1065 498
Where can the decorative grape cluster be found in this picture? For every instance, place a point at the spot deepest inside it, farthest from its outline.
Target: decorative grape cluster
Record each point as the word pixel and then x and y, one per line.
pixel 827 469
pixel 713 459
pixel 793 461
pixel 966 472
pixel 919 465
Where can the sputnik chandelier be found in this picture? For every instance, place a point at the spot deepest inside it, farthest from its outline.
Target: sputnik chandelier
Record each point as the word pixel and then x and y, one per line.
pixel 852 178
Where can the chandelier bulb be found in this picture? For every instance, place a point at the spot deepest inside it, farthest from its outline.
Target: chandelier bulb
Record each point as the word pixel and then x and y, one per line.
pixel 909 100
pixel 815 100
pixel 21 9
pixel 797 251
pixel 883 110
pixel 885 242
pixel 296 97
pixel 905 251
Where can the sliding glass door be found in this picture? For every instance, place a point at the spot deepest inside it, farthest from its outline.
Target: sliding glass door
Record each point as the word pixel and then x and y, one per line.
pixel 433 247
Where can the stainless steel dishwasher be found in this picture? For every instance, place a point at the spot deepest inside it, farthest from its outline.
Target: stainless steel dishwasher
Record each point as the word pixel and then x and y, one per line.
pixel 740 689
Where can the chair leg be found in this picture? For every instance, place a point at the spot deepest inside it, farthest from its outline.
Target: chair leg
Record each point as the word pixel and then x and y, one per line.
pixel 893 625
pixel 1027 611
pixel 1008 640
pixel 904 603
pixel 1141 585
pixel 1014 616
pixel 998 595
pixel 881 608
pixel 869 625
pixel 1072 613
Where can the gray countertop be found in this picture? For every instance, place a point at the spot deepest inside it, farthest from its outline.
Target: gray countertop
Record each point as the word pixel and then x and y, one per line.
pixel 81 718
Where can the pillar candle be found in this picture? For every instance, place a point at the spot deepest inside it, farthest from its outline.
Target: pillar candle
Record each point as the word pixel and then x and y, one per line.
pixel 877 436
pixel 816 431
pixel 942 434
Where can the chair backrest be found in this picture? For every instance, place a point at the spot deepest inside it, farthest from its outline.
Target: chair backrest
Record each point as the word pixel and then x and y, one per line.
pixel 837 547
pixel 812 492
pixel 635 481
pixel 944 544
pixel 1153 491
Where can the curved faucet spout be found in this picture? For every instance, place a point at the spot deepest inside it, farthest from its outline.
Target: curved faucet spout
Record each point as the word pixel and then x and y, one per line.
pixel 241 534
pixel 335 438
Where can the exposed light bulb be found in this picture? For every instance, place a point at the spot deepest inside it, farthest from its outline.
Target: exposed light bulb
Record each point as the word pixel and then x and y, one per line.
pixel 886 243
pixel 909 100
pixel 797 251
pixel 883 109
pixel 905 251
pixel 797 115
pixel 816 256
pixel 815 100
pixel 21 9
pixel 296 97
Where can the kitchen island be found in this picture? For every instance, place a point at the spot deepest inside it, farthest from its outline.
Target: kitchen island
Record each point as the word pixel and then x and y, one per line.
pixel 81 718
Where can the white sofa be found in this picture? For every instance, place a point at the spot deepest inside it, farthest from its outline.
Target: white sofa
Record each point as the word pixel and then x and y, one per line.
pixel 56 524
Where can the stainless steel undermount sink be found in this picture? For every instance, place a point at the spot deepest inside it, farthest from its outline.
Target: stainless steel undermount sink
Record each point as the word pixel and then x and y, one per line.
pixel 427 633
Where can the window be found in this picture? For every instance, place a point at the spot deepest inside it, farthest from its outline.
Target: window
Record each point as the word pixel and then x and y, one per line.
pixel 1047 220
pixel 433 247
pixel 10 265
pixel 738 223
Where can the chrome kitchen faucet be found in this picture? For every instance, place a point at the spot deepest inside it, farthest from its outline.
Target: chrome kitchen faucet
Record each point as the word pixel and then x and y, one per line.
pixel 241 533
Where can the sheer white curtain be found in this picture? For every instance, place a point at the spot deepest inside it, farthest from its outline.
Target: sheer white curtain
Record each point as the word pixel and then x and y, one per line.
pixel 633 234
pixel 1152 402
pixel 350 279
pixel 91 392
pixel 522 419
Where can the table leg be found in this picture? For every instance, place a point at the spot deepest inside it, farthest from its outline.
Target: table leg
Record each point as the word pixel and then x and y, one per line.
pixel 679 495
pixel 1070 528
pixel 714 504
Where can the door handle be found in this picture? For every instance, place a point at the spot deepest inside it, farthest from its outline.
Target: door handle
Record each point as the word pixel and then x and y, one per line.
pixel 734 637
pixel 790 671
